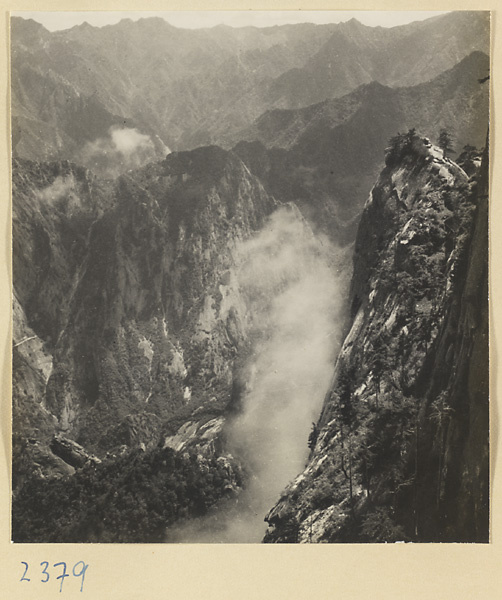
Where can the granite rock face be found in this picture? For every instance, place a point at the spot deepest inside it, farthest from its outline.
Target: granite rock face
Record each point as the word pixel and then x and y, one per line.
pixel 128 316
pixel 400 451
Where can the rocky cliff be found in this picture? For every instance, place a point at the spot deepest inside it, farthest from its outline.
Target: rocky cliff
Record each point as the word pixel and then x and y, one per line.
pixel 400 451
pixel 181 288
pixel 54 208
pixel 129 319
pixel 157 320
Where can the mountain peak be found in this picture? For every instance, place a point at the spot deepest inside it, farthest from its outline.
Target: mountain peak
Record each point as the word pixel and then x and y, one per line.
pixel 155 23
pixel 353 23
pixel 355 26
pixel 205 161
pixel 27 26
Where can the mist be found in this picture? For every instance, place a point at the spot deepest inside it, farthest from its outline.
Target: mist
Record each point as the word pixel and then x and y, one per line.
pixel 59 188
pixel 120 150
pixel 294 284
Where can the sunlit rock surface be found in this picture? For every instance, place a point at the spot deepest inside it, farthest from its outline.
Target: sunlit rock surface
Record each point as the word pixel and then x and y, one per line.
pixel 400 451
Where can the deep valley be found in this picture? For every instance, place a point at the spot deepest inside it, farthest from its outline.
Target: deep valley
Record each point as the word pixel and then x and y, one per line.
pixel 250 282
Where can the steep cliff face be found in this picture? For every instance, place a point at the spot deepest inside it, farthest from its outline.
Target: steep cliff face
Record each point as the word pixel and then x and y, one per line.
pixel 137 319
pixel 180 314
pixel 54 207
pixel 400 451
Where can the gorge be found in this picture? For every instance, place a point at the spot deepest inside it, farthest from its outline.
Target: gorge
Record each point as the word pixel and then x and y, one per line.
pixel 250 282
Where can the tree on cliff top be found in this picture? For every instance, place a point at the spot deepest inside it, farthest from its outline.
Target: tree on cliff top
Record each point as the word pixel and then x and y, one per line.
pixel 398 145
pixel 445 142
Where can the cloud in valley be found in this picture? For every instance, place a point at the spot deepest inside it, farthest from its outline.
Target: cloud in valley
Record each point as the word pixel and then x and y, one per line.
pixel 294 284
pixel 120 150
pixel 59 188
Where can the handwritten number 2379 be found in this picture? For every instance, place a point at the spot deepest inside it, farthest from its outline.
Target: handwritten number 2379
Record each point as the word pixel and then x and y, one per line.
pixel 79 570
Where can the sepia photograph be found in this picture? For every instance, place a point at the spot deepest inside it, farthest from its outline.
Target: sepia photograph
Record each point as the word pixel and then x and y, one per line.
pixel 250 277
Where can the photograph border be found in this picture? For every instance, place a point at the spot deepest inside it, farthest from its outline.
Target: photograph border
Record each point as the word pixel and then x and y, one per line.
pixel 186 571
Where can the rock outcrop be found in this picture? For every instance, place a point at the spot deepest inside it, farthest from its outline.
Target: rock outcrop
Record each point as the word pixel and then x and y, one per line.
pixel 400 451
pixel 71 452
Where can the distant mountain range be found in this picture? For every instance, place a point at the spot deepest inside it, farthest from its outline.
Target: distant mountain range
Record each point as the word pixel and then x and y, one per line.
pixel 187 88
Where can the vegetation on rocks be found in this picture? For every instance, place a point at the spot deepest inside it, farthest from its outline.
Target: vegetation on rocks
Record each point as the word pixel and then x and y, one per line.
pixel 133 498
pixel 380 468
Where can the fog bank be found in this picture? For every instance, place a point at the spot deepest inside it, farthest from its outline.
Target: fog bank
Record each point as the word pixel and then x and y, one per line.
pixel 294 284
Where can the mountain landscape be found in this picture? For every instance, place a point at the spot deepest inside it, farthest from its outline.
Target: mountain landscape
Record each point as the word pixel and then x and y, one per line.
pixel 186 88
pixel 250 282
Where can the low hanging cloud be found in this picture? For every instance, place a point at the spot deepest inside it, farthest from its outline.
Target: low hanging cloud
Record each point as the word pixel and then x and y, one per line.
pixel 59 188
pixel 129 141
pixel 296 289
pixel 295 285
pixel 120 150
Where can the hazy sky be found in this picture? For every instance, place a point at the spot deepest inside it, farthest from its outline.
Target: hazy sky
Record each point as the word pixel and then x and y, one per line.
pixel 195 19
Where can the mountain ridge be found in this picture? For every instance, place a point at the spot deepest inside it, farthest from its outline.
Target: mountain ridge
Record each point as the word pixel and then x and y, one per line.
pixel 214 84
pixel 326 156
pixel 381 466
